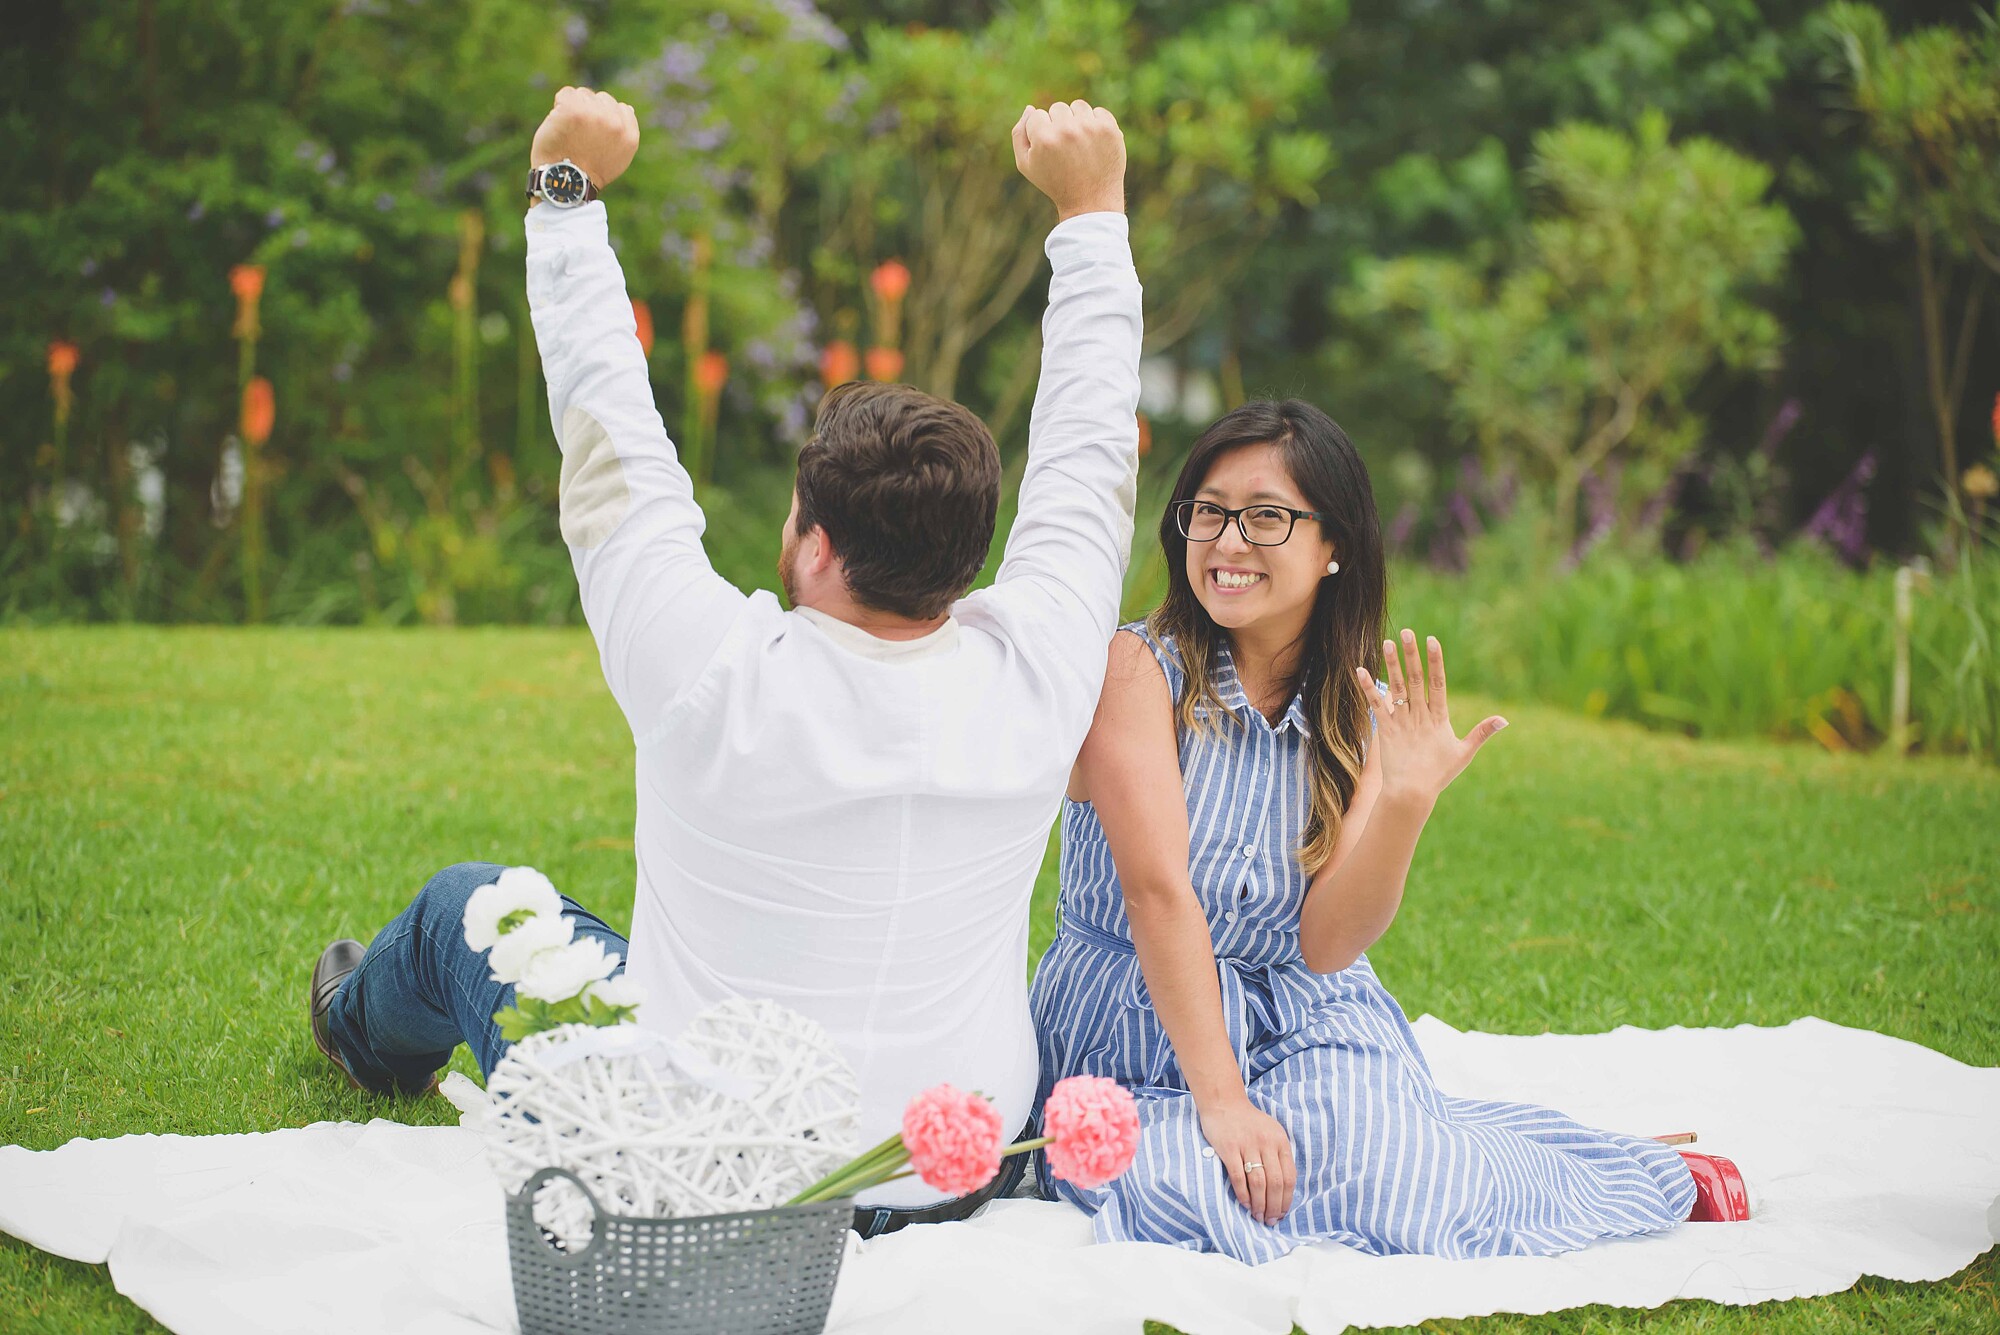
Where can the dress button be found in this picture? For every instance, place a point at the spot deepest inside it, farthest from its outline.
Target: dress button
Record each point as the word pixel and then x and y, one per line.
pixel 1249 850
pixel 1208 1151
pixel 1231 915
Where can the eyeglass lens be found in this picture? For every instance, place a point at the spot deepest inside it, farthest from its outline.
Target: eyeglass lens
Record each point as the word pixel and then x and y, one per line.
pixel 1263 525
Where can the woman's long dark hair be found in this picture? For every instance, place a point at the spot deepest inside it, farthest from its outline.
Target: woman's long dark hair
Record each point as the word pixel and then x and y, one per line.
pixel 1345 629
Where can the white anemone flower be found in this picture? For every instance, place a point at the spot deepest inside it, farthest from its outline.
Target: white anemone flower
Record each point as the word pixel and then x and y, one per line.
pixel 519 894
pixel 517 949
pixel 558 975
pixel 616 991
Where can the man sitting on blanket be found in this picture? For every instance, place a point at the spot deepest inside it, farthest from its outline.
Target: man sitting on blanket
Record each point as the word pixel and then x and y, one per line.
pixel 842 807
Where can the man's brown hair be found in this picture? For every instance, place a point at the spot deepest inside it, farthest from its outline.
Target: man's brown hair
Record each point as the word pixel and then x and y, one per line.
pixel 907 487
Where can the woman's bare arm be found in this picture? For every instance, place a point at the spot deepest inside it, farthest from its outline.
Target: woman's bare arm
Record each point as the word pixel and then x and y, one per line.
pixel 1414 757
pixel 1129 768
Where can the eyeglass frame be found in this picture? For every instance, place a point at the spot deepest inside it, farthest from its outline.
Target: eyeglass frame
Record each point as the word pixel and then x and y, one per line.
pixel 1182 507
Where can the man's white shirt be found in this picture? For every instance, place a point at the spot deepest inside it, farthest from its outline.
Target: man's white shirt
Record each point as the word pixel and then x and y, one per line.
pixel 848 825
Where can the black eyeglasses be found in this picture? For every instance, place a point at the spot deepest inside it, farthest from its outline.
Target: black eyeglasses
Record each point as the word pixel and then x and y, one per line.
pixel 1260 525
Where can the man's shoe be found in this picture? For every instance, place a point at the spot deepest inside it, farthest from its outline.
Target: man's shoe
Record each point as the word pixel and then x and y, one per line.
pixel 335 963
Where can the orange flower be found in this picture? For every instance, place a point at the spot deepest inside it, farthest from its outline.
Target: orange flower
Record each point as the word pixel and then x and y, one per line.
pixel 838 363
pixel 711 372
pixel 1145 436
pixel 891 280
pixel 642 319
pixel 247 281
pixel 884 363
pixel 62 359
pixel 260 409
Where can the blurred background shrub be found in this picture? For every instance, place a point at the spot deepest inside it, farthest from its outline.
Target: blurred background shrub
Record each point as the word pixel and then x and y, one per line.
pixel 1664 326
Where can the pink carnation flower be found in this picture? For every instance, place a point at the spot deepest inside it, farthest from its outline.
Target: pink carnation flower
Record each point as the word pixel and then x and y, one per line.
pixel 953 1138
pixel 1093 1129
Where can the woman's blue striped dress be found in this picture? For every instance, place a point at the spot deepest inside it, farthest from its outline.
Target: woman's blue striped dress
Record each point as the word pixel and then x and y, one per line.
pixel 1386 1163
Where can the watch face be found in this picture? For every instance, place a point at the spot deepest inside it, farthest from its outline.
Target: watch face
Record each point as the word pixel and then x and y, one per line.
pixel 563 183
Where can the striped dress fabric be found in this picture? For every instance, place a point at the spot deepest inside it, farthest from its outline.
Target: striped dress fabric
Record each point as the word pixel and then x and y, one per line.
pixel 1386 1163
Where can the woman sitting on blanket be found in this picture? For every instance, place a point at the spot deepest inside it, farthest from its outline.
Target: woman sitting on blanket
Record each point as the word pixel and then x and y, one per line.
pixel 1231 846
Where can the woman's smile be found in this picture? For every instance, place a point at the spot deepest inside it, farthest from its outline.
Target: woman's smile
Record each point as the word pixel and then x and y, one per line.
pixel 1234 579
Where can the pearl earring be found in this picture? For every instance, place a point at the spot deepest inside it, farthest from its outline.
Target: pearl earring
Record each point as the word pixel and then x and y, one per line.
pixel 1333 567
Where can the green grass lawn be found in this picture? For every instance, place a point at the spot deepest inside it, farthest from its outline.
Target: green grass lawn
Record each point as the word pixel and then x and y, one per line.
pixel 188 816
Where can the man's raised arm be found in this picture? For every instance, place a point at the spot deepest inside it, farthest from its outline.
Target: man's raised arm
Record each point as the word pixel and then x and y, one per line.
pixel 628 512
pixel 1073 535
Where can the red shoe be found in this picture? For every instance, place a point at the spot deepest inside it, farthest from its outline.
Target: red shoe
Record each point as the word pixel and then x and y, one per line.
pixel 1719 1194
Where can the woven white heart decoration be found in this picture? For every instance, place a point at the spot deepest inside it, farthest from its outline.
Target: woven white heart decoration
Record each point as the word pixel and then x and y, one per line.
pixel 747 1108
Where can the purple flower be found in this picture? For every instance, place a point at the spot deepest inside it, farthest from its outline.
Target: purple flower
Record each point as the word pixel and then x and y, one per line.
pixel 108 297
pixel 87 268
pixel 718 21
pixel 325 162
pixel 195 210
pixel 343 372
pixel 1459 507
pixel 807 24
pixel 385 201
pixel 1842 518
pixel 705 138
pixel 275 218
pixel 1404 524
pixel 679 62
pixel 758 353
pixel 576 31
pixel 1781 426
pixel 792 424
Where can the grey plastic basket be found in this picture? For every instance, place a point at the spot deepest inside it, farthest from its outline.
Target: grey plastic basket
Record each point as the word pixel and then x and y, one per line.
pixel 758 1272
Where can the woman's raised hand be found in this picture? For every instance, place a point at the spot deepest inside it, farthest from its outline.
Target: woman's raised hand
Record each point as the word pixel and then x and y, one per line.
pixel 1420 752
pixel 1256 1153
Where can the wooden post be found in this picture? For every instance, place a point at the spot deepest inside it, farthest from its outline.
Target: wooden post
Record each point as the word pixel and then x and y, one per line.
pixel 1907 580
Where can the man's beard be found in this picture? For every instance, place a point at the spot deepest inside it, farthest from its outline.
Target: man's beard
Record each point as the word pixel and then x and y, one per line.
pixel 788 555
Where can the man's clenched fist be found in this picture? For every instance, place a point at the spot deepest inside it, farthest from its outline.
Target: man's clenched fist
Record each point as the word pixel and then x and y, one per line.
pixel 1075 154
pixel 594 130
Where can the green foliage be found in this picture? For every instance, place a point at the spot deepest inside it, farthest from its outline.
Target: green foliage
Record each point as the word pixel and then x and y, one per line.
pixel 1730 644
pixel 370 158
pixel 532 1015
pixel 1931 104
pixel 1642 275
pixel 193 813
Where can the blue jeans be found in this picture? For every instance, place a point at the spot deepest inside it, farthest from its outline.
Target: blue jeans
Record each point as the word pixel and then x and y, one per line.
pixel 420 991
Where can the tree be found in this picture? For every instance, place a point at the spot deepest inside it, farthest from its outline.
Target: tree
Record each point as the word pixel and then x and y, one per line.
pixel 1930 102
pixel 1641 277
pixel 1214 149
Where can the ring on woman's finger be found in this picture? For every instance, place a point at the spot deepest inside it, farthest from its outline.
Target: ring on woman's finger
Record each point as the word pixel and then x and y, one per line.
pixel 1399 700
pixel 1249 1167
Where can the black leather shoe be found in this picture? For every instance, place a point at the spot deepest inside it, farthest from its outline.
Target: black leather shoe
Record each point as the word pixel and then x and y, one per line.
pixel 335 963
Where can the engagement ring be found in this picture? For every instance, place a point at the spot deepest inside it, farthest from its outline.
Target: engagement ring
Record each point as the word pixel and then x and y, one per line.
pixel 1249 1166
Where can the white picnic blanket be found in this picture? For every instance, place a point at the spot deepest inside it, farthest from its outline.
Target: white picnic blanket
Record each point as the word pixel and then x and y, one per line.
pixel 1864 1154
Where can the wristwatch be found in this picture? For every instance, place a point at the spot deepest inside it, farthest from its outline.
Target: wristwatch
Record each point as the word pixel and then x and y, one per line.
pixel 563 184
